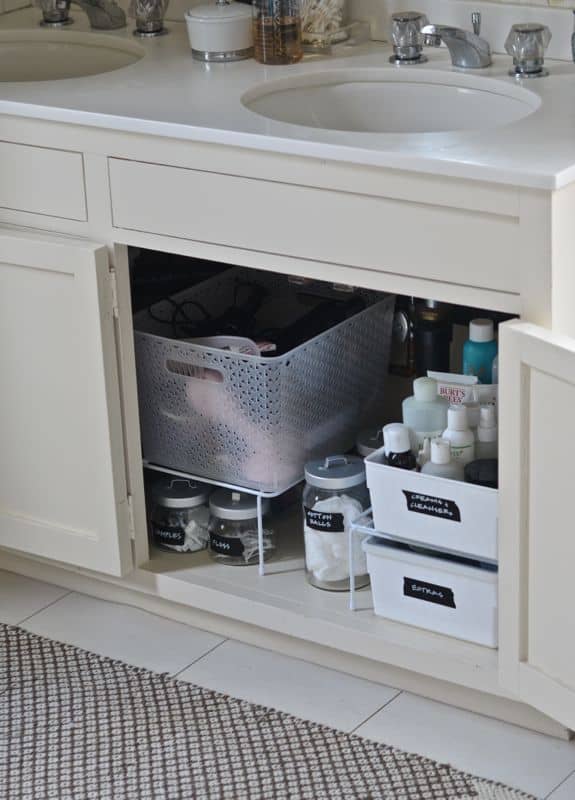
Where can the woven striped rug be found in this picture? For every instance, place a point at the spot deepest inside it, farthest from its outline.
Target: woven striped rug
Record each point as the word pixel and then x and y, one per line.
pixel 77 726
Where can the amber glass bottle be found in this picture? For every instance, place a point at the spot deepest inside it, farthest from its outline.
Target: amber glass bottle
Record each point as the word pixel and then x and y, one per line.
pixel 277 31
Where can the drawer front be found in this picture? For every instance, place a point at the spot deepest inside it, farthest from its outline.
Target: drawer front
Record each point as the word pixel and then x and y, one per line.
pixel 409 238
pixel 42 181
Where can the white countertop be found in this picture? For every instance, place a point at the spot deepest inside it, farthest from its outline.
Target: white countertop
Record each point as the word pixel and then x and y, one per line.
pixel 168 94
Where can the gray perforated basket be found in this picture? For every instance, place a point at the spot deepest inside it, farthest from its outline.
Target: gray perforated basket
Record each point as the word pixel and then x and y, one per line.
pixel 254 421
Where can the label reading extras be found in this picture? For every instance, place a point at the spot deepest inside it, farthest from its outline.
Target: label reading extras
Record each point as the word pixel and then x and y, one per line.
pixel 430 592
pixel 229 546
pixel 432 506
pixel 170 535
pixel 324 521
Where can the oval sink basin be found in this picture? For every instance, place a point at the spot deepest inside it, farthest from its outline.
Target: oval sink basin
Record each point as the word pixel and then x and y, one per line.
pixel 45 55
pixel 384 101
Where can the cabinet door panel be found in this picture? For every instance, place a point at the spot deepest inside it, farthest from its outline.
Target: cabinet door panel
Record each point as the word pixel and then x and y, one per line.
pixel 62 478
pixel 537 537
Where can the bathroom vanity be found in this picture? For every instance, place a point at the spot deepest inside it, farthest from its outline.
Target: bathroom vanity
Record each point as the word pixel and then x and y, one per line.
pixel 163 154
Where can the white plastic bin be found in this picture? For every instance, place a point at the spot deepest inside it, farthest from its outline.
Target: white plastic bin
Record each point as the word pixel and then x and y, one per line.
pixel 249 420
pixel 453 516
pixel 441 595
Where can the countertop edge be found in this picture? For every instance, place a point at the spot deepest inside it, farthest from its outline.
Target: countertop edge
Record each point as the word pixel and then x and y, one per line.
pixel 408 162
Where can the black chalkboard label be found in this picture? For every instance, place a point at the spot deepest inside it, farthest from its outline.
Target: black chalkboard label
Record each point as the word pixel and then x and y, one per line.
pixel 324 521
pixel 432 506
pixel 430 592
pixel 229 546
pixel 171 535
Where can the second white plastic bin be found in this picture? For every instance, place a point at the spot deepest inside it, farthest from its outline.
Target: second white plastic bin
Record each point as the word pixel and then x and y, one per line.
pixel 452 516
pixel 441 595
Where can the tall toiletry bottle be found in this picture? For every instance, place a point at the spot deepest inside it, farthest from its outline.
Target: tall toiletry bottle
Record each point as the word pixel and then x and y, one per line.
pixel 425 412
pixel 495 368
pixel 480 350
pixel 473 408
pixel 277 31
pixel 397 444
pixel 441 463
pixel 486 446
pixel 460 435
pixel 433 333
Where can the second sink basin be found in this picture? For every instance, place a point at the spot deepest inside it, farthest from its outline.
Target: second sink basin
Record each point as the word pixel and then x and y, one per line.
pixel 385 101
pixel 42 55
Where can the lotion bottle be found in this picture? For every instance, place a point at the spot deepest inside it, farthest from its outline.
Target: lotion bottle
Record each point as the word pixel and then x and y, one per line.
pixel 459 435
pixel 486 446
pixel 425 412
pixel 441 463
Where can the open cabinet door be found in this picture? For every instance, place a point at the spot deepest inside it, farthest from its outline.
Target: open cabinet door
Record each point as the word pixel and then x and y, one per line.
pixel 62 478
pixel 537 532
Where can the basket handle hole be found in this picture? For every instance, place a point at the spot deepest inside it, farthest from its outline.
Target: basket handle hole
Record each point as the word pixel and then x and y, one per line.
pixel 194 371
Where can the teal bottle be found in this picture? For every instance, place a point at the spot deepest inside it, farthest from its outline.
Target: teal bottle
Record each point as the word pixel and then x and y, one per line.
pixel 480 350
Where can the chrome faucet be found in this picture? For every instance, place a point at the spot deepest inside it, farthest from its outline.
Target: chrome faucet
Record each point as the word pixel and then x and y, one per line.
pixel 466 48
pixel 103 14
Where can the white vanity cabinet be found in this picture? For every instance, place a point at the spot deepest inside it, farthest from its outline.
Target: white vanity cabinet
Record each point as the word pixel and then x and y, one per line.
pixel 71 475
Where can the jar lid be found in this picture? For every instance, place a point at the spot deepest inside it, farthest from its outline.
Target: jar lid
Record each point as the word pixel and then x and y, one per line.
pixel 368 441
pixel 220 11
pixel 335 472
pixel 227 504
pixel 174 492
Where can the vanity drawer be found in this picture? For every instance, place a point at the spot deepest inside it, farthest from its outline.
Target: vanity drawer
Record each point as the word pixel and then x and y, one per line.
pixel 41 180
pixel 358 230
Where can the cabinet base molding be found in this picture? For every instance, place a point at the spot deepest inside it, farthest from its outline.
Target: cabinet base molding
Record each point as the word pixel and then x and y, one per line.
pixel 498 707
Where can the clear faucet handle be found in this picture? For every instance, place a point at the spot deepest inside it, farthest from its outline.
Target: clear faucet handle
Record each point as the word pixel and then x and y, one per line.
pixel 527 43
pixel 407 37
pixel 406 28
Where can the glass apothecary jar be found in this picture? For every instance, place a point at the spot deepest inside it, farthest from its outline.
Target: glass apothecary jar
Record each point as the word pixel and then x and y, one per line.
pixel 179 515
pixel 323 22
pixel 233 528
pixel 335 496
pixel 277 31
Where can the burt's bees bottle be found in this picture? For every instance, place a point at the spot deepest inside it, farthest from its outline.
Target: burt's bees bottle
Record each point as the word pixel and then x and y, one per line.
pixel 277 31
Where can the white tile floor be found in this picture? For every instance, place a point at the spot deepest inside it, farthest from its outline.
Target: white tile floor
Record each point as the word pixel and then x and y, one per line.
pixel 540 765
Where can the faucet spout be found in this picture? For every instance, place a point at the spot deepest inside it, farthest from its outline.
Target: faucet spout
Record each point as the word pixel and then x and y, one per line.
pixel 103 14
pixel 467 49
